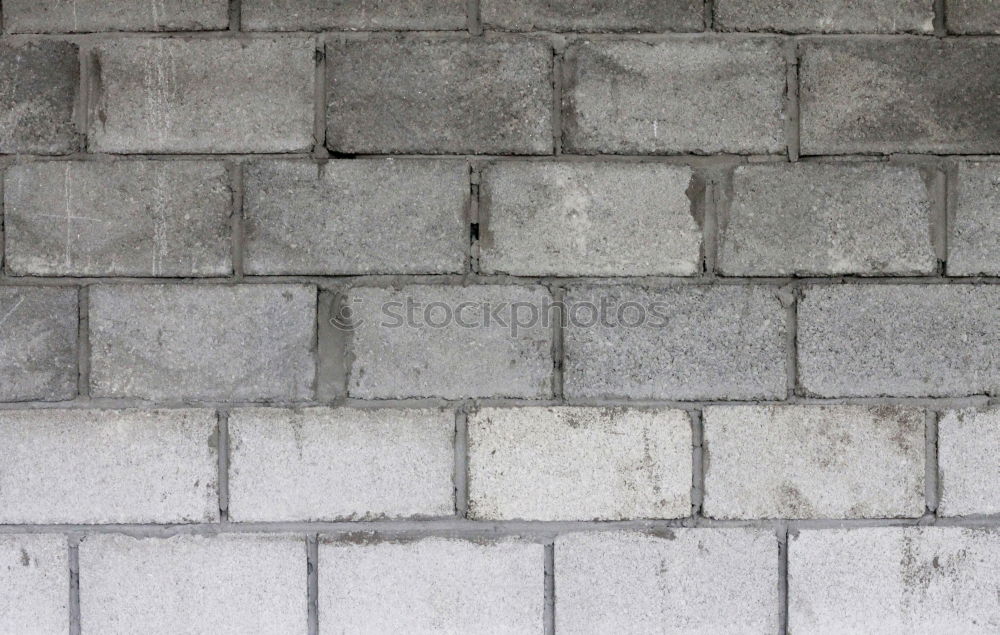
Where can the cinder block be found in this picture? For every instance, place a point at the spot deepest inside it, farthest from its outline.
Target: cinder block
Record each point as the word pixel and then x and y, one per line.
pixel 127 218
pixel 356 217
pixel 34 576
pixel 363 15
pixel 968 450
pixel 432 585
pixel 85 16
pixel 225 585
pixel 925 95
pixel 828 16
pixel 899 340
pixel 203 95
pixel 919 580
pixel 685 580
pixel 813 462
pixel 700 96
pixel 826 219
pixel 108 466
pixel 592 15
pixel 39 87
pixel 436 96
pixel 589 219
pixel 212 342
pixel 974 238
pixel 971 17
pixel 682 342
pixel 38 339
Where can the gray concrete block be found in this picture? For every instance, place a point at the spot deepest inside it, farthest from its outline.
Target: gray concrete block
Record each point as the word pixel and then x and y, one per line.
pixel 340 464
pixel 356 217
pixel 970 17
pixel 684 580
pixel 683 342
pixel 203 95
pixel 188 342
pixel 569 463
pixel 38 341
pixel 451 342
pixel 435 96
pixel 908 95
pixel 592 15
pixel 918 580
pixel 974 228
pixel 85 16
pixel 126 218
pixel 828 16
pixel 34 576
pixel 225 585
pixel 108 466
pixel 39 88
pixel 589 219
pixel 363 15
pixel 968 448
pixel 899 340
pixel 813 462
pixel 697 95
pixel 434 585
pixel 826 219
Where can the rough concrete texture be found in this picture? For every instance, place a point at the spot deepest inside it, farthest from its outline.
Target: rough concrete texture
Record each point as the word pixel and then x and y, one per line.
pixel 434 585
pixel 974 228
pixel 905 95
pixel 364 15
pixel 579 463
pixel 596 219
pixel 697 95
pixel 684 342
pixel 451 342
pixel 189 342
pixel 224 585
pixel 826 16
pixel 899 340
pixel 968 448
pixel 973 17
pixel 39 87
pixel 38 339
pixel 592 15
pixel 813 461
pixel 913 580
pixel 127 218
pixel 827 219
pixel 108 466
pixel 34 576
pixel 202 95
pixel 83 16
pixel 340 464
pixel 356 217
pixel 434 96
pixel 680 581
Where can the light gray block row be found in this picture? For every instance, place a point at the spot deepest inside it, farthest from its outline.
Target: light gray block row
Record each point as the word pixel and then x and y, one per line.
pixel 828 16
pixel 968 450
pixel 84 16
pixel 592 15
pixel 34 576
pixel 359 15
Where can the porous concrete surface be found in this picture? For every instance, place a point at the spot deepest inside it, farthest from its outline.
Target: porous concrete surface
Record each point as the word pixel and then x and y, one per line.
pixel 827 219
pixel 968 455
pixel 826 16
pixel 913 580
pixel 127 218
pixel 356 217
pixel 973 17
pixel 596 219
pixel 39 89
pixel 225 585
pixel 974 228
pixel 592 15
pixel 84 16
pixel 34 576
pixel 363 15
pixel 340 464
pixel 236 343
pixel 677 581
pixel 434 585
pixel 38 343
pixel 569 463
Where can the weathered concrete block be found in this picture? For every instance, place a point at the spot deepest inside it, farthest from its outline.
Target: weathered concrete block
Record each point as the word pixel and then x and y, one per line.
pixel 685 580
pixel 970 17
pixel 899 340
pixel 127 218
pixel 598 219
pixel 907 95
pixel 356 217
pixel 38 342
pixel 208 95
pixel 227 584
pixel 34 574
pixel 813 462
pixel 893 580
pixel 828 16
pixel 451 342
pixel 439 96
pixel 432 585
pixel 699 95
pixel 579 463
pixel 108 466
pixel 974 238
pixel 39 86
pixel 84 16
pixel 592 15
pixel 685 342
pixel 968 468
pixel 340 464
pixel 169 342
pixel 364 15
pixel 825 219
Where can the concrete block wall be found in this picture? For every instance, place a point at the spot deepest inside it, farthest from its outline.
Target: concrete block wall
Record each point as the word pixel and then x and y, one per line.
pixel 499 316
